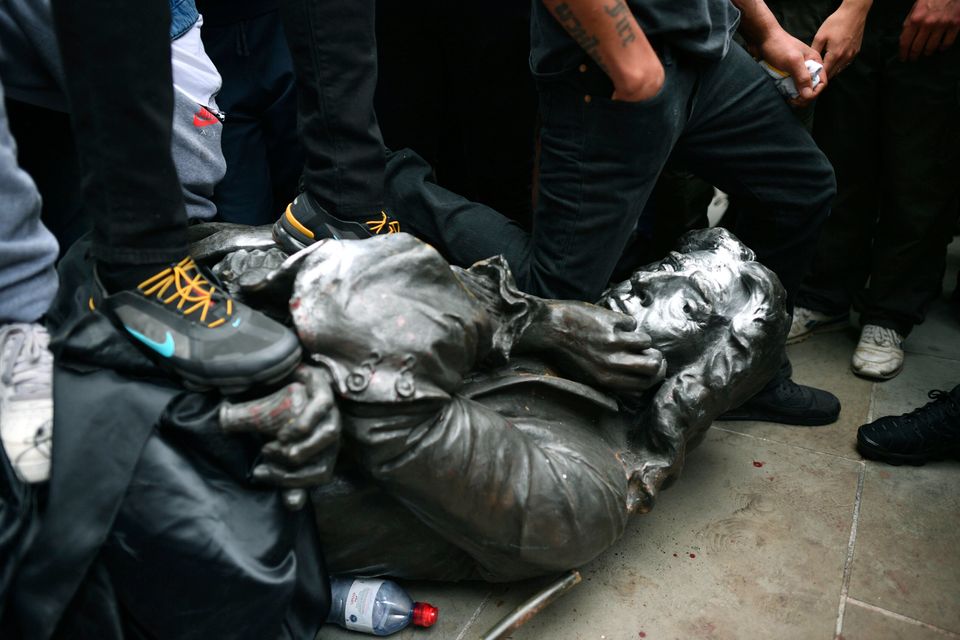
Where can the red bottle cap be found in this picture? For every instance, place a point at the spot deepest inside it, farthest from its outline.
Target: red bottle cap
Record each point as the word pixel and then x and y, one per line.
pixel 424 614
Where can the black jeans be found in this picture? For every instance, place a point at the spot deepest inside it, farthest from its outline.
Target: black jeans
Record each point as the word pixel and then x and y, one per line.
pixel 119 87
pixel 334 50
pixel 600 159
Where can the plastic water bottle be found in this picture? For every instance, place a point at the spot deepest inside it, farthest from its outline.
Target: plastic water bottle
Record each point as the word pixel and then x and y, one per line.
pixel 377 607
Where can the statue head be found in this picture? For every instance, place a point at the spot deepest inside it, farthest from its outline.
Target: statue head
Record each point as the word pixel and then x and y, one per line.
pixel 708 293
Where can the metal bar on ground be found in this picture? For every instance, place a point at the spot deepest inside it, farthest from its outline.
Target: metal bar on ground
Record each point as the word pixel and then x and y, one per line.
pixel 522 614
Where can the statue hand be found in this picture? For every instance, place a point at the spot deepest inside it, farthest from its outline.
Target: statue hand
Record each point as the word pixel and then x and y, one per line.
pixel 303 424
pixel 601 347
pixel 245 269
pixel 263 277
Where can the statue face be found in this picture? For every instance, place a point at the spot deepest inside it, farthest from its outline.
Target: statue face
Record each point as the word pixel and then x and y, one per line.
pixel 674 301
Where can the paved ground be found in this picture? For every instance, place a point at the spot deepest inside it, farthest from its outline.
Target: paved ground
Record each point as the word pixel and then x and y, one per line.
pixel 772 532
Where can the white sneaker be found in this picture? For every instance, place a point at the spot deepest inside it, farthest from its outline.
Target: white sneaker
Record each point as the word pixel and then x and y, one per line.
pixel 807 322
pixel 26 399
pixel 879 354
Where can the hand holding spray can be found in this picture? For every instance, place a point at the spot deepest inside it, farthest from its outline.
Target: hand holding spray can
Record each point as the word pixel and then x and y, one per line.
pixel 785 84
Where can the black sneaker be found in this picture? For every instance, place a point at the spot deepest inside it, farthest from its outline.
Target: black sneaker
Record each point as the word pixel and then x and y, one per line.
pixel 787 402
pixel 930 432
pixel 191 326
pixel 304 222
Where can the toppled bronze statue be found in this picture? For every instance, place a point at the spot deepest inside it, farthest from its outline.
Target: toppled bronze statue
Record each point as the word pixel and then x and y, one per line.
pixel 487 433
pixel 445 425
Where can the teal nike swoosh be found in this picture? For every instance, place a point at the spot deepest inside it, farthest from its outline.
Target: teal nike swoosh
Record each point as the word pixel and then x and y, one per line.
pixel 164 348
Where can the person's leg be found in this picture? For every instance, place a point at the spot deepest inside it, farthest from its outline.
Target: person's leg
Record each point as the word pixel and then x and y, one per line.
pixel 119 86
pixel 47 151
pixel 462 230
pixel 334 52
pixel 920 132
pixel 846 128
pixel 599 162
pixel 28 280
pixel 285 154
pixel 918 187
pixel 28 283
pixel 743 138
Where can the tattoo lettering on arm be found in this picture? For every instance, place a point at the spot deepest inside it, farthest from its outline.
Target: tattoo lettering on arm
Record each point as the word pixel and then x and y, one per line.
pixel 587 41
pixel 619 12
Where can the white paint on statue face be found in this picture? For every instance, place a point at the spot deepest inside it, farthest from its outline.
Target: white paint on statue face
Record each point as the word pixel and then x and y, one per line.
pixel 675 300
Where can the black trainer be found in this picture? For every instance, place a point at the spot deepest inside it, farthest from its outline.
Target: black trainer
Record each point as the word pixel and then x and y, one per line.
pixel 930 432
pixel 304 222
pixel 191 326
pixel 787 402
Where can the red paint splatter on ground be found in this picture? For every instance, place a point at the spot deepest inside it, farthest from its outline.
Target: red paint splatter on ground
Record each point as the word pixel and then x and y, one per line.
pixel 643 634
pixel 757 464
pixel 693 555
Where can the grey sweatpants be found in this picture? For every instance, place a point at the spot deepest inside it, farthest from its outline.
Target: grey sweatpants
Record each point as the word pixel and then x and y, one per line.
pixel 28 280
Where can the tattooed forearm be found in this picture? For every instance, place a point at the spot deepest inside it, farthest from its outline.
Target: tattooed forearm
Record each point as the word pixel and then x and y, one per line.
pixel 619 13
pixel 589 42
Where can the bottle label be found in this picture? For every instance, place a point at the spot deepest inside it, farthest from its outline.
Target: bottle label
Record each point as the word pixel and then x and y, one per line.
pixel 358 608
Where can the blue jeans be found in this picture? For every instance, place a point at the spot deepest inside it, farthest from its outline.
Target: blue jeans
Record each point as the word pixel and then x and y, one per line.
pixel 28 250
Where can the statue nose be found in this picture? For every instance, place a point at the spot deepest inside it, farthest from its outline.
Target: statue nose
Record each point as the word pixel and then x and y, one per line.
pixel 641 289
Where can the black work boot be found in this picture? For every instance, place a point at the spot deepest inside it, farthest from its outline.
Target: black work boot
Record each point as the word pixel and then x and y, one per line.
pixel 930 432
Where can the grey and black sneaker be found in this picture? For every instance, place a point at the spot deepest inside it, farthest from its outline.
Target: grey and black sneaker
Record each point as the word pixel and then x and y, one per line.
pixel 930 432
pixel 305 221
pixel 26 399
pixel 191 326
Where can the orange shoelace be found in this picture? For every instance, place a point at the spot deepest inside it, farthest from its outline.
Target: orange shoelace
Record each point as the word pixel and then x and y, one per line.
pixel 189 288
pixel 377 226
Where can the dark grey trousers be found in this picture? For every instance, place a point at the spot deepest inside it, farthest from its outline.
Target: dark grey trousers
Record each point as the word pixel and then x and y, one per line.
pixel 892 131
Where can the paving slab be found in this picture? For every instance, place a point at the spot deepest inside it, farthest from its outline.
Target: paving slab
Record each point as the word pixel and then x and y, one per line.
pixel 750 543
pixel 865 624
pixel 939 335
pixel 907 554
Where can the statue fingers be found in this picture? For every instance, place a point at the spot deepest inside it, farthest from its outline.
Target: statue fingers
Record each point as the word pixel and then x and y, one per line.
pixel 324 436
pixel 318 472
pixel 319 407
pixel 266 415
pixel 632 371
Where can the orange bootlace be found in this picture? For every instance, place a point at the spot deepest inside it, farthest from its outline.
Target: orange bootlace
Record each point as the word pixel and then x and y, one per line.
pixel 376 226
pixel 188 285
